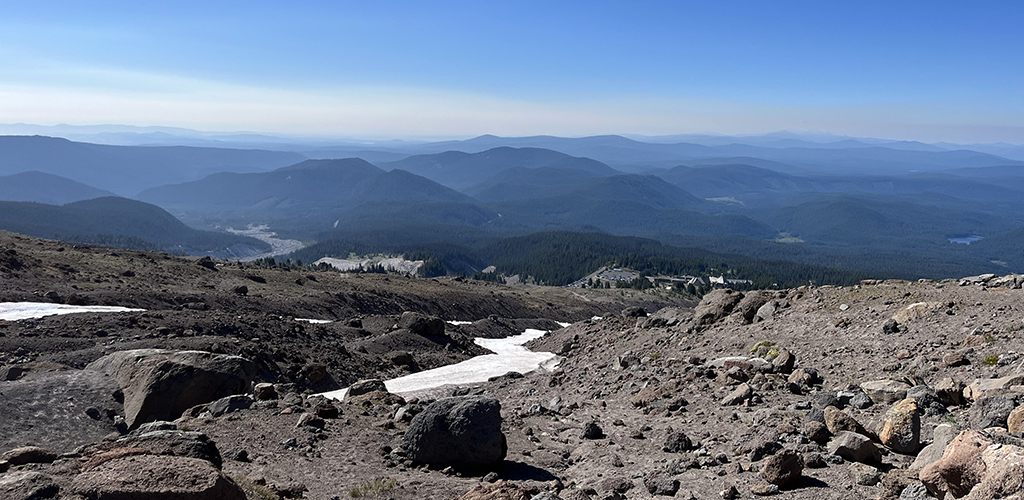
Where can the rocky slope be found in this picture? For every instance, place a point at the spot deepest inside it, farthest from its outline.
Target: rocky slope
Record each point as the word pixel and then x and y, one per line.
pixel 810 393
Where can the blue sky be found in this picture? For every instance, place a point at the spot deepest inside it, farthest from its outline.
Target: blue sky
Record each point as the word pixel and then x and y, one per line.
pixel 928 71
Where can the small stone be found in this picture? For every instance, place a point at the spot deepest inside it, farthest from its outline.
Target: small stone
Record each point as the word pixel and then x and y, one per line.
pixel 730 493
pixel 783 468
pixel 864 475
pixel 591 431
pixel 738 395
pixel 763 490
pixel 491 477
pixel 264 392
pixel 954 359
pixel 861 401
pixel 855 447
pixel 677 442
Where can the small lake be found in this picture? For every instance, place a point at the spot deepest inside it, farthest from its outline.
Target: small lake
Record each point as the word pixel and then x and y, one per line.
pixel 966 240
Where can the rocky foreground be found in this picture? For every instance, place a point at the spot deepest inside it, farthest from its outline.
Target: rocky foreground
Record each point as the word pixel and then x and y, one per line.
pixel 889 389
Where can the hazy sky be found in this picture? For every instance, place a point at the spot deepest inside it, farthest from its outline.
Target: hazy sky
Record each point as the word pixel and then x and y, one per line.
pixel 930 70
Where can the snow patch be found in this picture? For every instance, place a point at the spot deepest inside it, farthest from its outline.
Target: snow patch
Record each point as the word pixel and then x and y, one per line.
pixel 314 321
pixel 509 356
pixel 13 311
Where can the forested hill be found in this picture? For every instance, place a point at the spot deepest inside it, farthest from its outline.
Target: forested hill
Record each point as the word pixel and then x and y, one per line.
pixel 561 257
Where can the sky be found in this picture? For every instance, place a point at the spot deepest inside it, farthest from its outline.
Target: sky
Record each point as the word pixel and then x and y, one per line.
pixel 929 70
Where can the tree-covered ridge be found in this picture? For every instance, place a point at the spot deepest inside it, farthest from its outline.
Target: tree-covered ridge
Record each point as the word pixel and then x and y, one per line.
pixel 562 257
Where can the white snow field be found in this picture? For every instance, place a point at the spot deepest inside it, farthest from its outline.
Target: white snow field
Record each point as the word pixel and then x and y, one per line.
pixel 13 311
pixel 509 356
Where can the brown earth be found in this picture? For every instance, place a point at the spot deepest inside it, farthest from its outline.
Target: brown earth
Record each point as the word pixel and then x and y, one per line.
pixel 643 382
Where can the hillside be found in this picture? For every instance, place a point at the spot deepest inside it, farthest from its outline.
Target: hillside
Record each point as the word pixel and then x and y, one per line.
pixel 800 393
pixel 126 170
pixel 119 222
pixel 46 188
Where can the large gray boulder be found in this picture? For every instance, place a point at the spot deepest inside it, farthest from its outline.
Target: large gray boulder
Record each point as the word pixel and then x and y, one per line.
pixel 160 384
pixel 156 477
pixel 716 305
pixel 463 432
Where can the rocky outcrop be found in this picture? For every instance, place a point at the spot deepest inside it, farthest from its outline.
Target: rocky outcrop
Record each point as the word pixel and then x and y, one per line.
pixel 160 384
pixel 27 485
pixel 716 305
pixel 463 432
pixel 156 477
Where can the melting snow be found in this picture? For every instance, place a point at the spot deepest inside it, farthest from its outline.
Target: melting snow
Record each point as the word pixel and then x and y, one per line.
pixel 13 311
pixel 509 356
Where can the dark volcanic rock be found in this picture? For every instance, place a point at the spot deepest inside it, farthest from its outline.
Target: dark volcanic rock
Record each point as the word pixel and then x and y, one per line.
pixel 463 432
pixel 160 384
pixel 783 468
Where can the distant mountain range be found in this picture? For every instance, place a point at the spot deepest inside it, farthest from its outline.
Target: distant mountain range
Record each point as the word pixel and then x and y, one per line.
pixel 834 201
pixel 126 170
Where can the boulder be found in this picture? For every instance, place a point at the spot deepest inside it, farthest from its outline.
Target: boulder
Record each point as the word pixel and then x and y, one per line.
pixel 741 393
pixel 804 376
pixel 662 486
pixel 1015 421
pixel 29 455
pixel 837 421
pixel 591 431
pixel 171 442
pixel 915 311
pixel 942 436
pixel 230 404
pixel 677 442
pixel 864 475
pixel 160 384
pixel 855 447
pixel 463 432
pixel 156 477
pixel 960 467
pixel 885 391
pixel 748 306
pixel 991 412
pixel 421 324
pixel 1004 474
pixel 366 386
pixel 27 485
pixel 766 311
pixel 950 392
pixel 901 431
pixel 992 387
pixel 783 468
pixel 265 392
pixel 716 305
pixel 784 362
pixel 817 432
